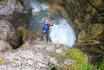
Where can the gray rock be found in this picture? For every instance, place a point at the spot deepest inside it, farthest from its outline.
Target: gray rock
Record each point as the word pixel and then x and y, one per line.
pixel 4 46
pixel 31 58
pixel 19 7
pixel 59 51
pixel 35 57
pixel 9 7
pixel 53 61
pixel 69 61
pixel 9 34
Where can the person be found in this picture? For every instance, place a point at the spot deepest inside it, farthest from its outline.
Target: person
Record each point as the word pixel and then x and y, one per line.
pixel 46 28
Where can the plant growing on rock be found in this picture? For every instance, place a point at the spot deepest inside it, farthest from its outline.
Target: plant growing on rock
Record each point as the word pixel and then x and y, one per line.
pixel 101 65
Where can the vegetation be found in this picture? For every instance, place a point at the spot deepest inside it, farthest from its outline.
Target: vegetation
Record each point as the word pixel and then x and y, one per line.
pixel 23 32
pixel 57 9
pixel 79 67
pixel 92 34
pixel 76 54
pixel 80 60
pixel 100 66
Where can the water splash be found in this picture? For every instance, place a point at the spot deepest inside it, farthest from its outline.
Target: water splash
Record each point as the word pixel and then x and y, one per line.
pixel 62 33
pixel 35 6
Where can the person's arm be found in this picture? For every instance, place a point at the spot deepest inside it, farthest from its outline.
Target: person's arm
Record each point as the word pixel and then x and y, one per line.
pixel 50 23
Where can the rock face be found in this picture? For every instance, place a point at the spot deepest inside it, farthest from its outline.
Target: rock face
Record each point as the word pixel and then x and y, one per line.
pixel 84 14
pixel 9 6
pixel 26 59
pixel 87 17
pixel 9 34
pixel 40 56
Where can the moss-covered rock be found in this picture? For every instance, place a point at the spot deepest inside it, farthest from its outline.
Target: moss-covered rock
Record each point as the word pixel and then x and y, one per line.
pixel 71 59
pixel 95 52
pixel 101 65
pixel 75 54
pixel 92 34
pixel 28 35
pixel 57 9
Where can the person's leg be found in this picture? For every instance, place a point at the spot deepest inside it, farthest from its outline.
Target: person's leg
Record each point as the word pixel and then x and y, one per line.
pixel 47 35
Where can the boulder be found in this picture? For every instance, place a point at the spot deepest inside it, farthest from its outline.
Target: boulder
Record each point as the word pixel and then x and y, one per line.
pixel 8 7
pixel 9 34
pixel 4 46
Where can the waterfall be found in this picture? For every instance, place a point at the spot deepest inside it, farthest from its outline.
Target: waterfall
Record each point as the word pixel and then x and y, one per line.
pixel 60 33
pixel 35 6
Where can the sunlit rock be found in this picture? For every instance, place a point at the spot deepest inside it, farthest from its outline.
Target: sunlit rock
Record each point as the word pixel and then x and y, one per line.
pixel 4 46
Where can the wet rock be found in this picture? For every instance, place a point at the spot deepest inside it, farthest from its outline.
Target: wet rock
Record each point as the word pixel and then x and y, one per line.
pixel 9 34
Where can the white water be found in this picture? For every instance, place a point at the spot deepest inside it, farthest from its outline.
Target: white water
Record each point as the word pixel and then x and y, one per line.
pixel 61 33
pixel 44 6
pixel 35 5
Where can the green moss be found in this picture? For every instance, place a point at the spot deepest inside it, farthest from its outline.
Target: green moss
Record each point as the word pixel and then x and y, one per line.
pixel 73 54
pixel 101 46
pixel 85 67
pixel 92 34
pixel 52 66
pixel 101 65
pixel 78 67
pixel 23 32
pixel 77 55
pixel 59 58
pixel 81 59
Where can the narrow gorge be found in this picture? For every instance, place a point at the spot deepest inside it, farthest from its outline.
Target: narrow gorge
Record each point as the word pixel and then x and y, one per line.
pixel 76 39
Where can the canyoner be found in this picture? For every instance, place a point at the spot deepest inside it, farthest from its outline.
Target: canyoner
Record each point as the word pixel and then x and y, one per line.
pixel 46 29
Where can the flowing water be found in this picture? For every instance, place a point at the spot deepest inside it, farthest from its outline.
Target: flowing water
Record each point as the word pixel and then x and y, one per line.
pixel 60 33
